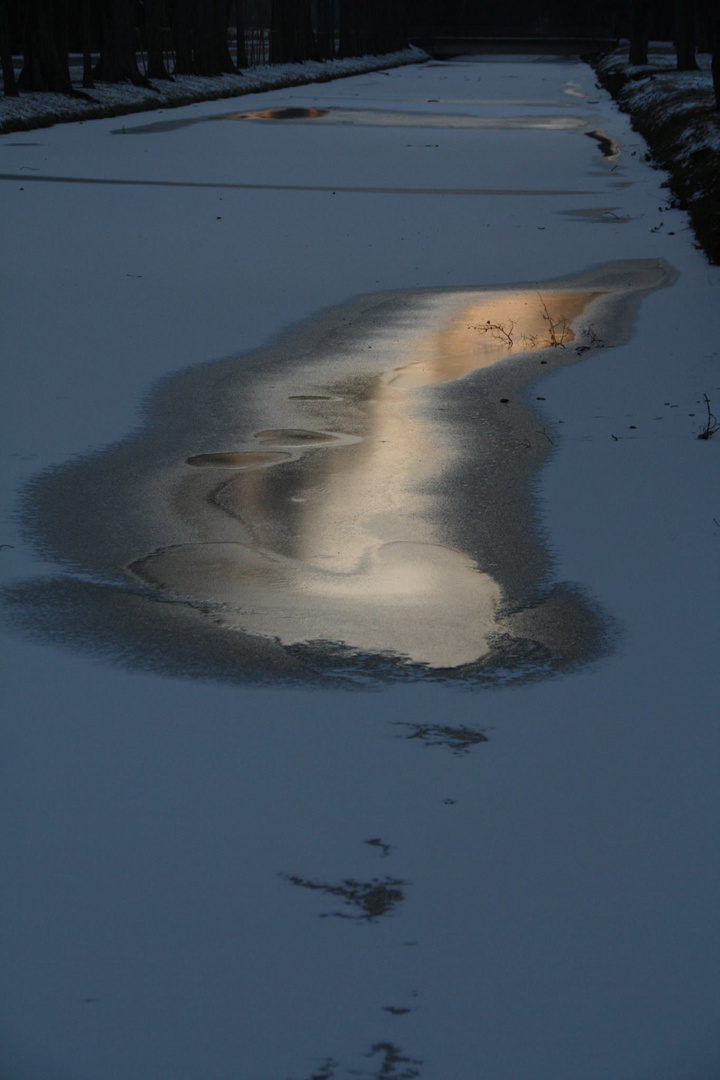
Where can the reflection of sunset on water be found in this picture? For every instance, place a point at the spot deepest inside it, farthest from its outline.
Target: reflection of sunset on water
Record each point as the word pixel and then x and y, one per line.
pixel 491 329
pixel 281 114
pixel 351 501
pixel 391 118
pixel 349 545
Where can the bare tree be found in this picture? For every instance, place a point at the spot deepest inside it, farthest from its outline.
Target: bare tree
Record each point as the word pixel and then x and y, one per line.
pixel 45 46
pixel 8 71
pixel 153 11
pixel 715 38
pixel 639 32
pixel 291 32
pixel 86 36
pixel 685 35
pixel 326 28
pixel 354 27
pixel 182 28
pixel 240 54
pixel 210 38
pixel 118 61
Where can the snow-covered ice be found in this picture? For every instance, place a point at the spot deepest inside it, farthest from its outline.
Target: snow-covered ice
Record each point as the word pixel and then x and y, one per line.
pixel 558 881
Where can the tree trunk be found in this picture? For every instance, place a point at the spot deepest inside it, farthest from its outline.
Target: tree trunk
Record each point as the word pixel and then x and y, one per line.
pixel 210 39
pixel 353 28
pixel 715 33
pixel 703 16
pixel 222 31
pixel 117 62
pixel 45 47
pixel 685 35
pixel 639 32
pixel 240 54
pixel 182 26
pixel 326 28
pixel 279 31
pixel 291 33
pixel 153 39
pixel 86 30
pixel 8 71
pixel 386 25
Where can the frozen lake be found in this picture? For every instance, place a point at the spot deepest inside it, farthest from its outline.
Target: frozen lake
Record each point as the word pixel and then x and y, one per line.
pixel 359 638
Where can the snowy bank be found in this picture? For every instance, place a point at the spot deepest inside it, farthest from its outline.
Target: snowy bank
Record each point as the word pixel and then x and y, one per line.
pixel 675 112
pixel 34 110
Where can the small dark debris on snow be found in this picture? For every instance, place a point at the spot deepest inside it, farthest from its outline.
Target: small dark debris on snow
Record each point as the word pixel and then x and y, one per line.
pixel 326 1071
pixel 378 843
pixel 460 739
pixel 711 424
pixel 373 898
pixel 392 1065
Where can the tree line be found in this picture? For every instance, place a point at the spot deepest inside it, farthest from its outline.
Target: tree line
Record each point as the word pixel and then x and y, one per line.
pixel 181 37
pixel 687 23
pixel 190 37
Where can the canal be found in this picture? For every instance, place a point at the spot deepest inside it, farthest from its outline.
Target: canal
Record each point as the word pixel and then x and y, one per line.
pixel 359 635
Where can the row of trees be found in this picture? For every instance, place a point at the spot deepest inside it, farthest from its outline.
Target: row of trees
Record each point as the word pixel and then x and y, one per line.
pixel 181 37
pixel 317 29
pixel 186 37
pixel 687 23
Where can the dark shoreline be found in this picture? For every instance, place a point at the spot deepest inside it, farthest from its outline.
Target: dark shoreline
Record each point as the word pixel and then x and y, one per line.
pixel 694 175
pixel 69 109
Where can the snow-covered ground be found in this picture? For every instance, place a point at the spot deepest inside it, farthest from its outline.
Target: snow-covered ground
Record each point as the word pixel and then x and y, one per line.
pixel 28 111
pixel 554 889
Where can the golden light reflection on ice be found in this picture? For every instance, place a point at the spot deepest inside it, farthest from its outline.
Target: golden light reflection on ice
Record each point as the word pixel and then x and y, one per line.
pixel 491 329
pixel 391 118
pixel 348 545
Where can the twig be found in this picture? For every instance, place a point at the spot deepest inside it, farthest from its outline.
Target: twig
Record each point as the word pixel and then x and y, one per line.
pixel 498 331
pixel 552 325
pixel 711 424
